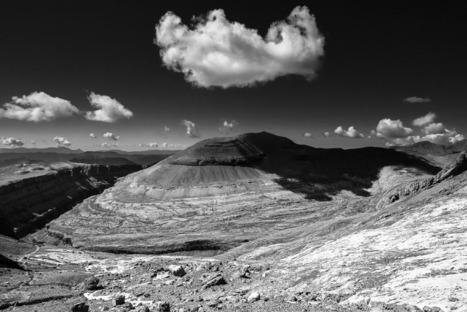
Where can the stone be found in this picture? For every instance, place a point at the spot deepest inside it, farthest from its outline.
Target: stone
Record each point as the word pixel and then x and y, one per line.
pixel 177 270
pixel 213 279
pixel 162 306
pixel 80 307
pixel 142 309
pixel 254 296
pixel 118 299
pixel 91 283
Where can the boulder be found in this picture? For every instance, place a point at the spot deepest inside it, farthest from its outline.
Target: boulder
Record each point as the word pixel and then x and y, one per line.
pixel 177 270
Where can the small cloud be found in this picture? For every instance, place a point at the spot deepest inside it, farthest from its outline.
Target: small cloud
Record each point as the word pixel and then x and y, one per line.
pixel 165 145
pixel 308 135
pixel 392 129
pixel 326 134
pixel 12 142
pixel 109 145
pixel 416 99
pixel 228 126
pixel 92 135
pixel 61 141
pixel 166 129
pixel 191 129
pixel 108 109
pixel 111 136
pixel 424 120
pixel 151 145
pixel 37 107
pixel 434 128
pixel 349 133
pixel 220 53
pixel 33 142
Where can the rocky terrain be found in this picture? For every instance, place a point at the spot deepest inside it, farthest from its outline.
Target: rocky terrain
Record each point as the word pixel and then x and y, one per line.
pixel 255 223
pixel 33 193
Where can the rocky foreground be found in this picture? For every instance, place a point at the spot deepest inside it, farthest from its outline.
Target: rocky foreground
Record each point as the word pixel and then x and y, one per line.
pixel 68 280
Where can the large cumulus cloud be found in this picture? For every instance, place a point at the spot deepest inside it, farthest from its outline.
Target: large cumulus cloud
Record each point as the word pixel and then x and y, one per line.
pixel 108 109
pixel 217 52
pixel 37 106
pixel 392 129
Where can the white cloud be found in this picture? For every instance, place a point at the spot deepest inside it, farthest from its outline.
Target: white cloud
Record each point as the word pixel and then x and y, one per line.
pixel 151 145
pixel 416 99
pixel 92 135
pixel 434 128
pixel 108 109
pixel 424 120
pixel 109 145
pixel 445 138
pixel 191 128
pixel 61 141
pixel 228 126
pixel 111 136
pixel 327 134
pixel 411 139
pixel 448 137
pixel 166 129
pixel 37 106
pixel 349 133
pixel 217 52
pixel 308 135
pixel 164 145
pixel 33 142
pixel 12 142
pixel 392 129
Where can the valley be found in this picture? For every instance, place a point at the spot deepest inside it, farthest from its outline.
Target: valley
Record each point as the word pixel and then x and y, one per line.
pixel 255 222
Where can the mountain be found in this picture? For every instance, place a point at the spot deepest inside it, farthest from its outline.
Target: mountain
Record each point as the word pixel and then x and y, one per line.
pixel 222 192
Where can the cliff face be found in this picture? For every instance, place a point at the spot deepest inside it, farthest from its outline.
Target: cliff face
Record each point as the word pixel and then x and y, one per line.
pixel 414 187
pixel 29 201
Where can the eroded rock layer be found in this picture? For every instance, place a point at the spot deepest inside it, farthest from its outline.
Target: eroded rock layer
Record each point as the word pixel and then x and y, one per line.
pixel 34 194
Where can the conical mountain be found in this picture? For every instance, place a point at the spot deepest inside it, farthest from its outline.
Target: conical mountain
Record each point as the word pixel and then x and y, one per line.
pixel 221 192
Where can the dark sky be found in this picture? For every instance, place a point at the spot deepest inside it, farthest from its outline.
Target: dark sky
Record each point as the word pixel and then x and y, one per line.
pixel 376 54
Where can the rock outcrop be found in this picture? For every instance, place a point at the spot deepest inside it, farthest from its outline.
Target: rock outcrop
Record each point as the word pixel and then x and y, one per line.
pixel 414 187
pixel 29 197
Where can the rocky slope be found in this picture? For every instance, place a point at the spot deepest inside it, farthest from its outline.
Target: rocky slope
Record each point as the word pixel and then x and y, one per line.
pixel 33 193
pixel 224 192
pixel 416 186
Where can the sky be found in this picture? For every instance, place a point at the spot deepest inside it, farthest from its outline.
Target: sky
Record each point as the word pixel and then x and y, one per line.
pixel 138 74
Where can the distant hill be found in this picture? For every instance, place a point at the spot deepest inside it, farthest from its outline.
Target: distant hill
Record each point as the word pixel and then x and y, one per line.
pixel 426 147
pixel 55 150
pixel 112 157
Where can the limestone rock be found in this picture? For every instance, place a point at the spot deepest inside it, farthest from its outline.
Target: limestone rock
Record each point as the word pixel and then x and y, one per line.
pixel 177 270
pixel 254 296
pixel 91 283
pixel 162 306
pixel 118 299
